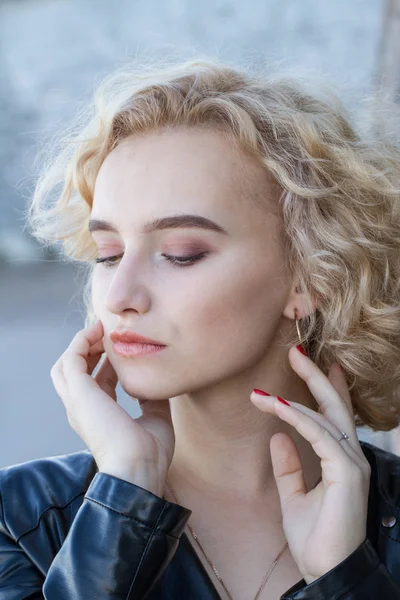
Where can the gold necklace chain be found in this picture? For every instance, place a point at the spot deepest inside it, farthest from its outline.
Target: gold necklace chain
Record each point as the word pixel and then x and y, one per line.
pixel 268 573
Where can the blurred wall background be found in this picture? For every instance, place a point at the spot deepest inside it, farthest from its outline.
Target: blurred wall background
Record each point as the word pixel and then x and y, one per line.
pixel 52 53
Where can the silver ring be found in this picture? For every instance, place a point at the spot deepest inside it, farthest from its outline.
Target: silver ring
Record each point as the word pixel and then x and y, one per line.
pixel 344 437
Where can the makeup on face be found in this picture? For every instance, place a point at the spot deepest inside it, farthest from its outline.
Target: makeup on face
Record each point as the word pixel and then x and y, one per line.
pixel 182 250
pixel 126 350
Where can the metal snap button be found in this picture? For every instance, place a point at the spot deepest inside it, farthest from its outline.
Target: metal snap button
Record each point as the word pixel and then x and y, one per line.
pixel 389 521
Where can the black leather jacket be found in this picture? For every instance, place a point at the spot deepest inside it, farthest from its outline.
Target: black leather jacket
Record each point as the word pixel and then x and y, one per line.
pixel 68 532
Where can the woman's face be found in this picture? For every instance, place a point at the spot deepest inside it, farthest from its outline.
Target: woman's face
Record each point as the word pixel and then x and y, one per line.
pixel 217 316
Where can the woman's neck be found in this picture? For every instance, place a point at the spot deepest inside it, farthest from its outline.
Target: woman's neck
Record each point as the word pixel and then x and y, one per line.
pixel 223 444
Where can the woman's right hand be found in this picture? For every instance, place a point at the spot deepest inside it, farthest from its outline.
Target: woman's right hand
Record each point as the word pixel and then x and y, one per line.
pixel 137 450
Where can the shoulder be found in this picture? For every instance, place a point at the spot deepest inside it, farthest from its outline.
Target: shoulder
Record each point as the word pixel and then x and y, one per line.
pixel 30 489
pixel 385 473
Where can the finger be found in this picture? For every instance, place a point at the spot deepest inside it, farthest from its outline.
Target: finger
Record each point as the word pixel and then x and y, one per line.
pixel 75 358
pixel 86 405
pixel 268 404
pixel 57 371
pixel 94 356
pixel 97 348
pixel 337 377
pixel 63 390
pixel 350 446
pixel 333 406
pixel 317 382
pixel 287 468
pixel 340 460
pixel 58 379
pixel 107 378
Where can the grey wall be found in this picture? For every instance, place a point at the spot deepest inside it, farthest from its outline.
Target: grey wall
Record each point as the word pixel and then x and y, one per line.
pixel 52 51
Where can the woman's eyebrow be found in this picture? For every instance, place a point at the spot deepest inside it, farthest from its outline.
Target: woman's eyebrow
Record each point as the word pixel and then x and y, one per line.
pixel 165 223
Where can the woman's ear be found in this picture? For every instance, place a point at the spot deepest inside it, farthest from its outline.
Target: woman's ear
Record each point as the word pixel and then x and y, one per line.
pixel 299 301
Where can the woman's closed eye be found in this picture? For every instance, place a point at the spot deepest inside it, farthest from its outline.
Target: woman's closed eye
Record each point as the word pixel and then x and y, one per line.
pixel 177 261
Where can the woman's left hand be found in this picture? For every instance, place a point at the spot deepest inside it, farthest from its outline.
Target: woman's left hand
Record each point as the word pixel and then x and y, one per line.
pixel 325 525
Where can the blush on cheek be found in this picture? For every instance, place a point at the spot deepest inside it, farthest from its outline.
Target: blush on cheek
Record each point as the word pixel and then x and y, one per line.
pixel 214 315
pixel 222 302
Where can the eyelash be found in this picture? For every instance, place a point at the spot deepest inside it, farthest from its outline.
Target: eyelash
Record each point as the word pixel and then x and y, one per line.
pixel 189 260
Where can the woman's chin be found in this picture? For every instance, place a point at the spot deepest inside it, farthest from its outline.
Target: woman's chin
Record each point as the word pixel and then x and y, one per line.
pixel 143 391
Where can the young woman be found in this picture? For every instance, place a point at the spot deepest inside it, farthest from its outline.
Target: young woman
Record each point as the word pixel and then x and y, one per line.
pixel 226 218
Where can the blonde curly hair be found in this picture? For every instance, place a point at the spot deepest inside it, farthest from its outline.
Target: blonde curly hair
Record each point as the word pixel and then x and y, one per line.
pixel 339 201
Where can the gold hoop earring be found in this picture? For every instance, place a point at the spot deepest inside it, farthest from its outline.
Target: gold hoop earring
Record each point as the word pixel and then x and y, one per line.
pixel 300 342
pixel 297 325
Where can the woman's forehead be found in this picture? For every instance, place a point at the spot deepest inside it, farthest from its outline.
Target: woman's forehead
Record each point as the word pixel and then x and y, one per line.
pixel 194 166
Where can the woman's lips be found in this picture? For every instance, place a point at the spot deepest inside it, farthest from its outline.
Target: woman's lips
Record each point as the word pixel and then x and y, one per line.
pixel 135 349
pixel 131 337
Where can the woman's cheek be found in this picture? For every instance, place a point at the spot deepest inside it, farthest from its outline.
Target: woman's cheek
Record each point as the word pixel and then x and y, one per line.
pixel 98 292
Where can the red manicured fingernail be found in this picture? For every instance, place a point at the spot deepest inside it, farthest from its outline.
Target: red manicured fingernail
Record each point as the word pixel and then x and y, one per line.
pixel 261 392
pixel 283 401
pixel 301 349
